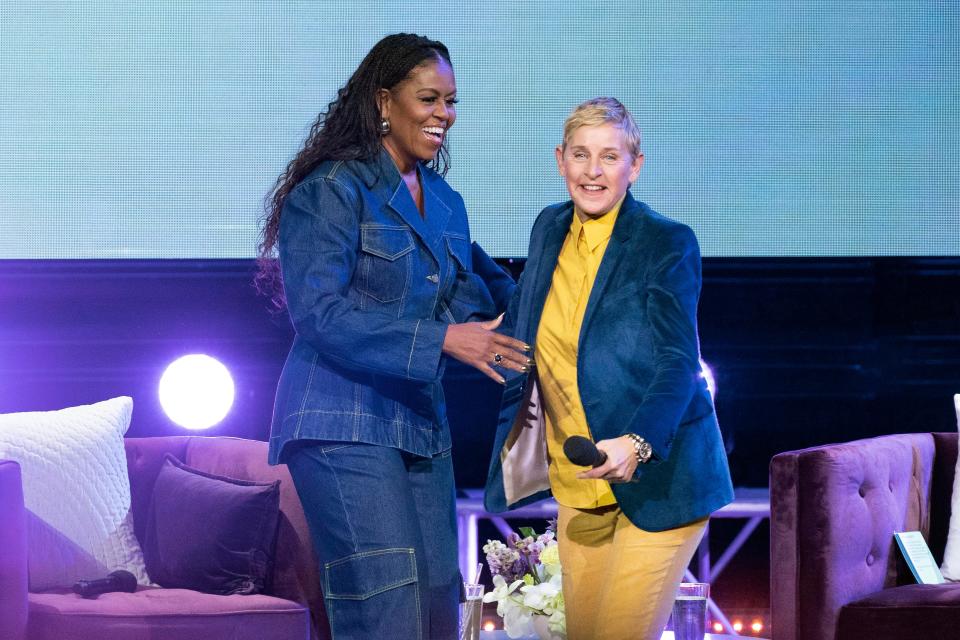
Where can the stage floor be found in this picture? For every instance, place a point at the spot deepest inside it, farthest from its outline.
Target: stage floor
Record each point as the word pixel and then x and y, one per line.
pixel 667 635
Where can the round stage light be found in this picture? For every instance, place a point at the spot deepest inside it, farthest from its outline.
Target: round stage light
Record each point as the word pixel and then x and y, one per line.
pixel 707 374
pixel 196 391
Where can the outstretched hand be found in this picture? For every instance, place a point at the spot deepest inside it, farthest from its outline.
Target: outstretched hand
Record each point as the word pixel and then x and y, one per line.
pixel 478 345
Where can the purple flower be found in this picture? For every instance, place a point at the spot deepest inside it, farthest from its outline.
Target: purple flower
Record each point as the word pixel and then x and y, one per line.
pixel 552 526
pixel 520 556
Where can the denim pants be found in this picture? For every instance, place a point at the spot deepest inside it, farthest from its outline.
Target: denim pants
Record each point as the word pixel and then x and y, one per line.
pixel 383 523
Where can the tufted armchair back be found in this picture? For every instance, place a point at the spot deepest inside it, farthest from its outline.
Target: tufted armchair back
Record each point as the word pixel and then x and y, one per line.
pixel 834 510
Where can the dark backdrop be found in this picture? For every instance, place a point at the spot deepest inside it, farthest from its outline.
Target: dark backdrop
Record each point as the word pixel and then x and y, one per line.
pixel 805 351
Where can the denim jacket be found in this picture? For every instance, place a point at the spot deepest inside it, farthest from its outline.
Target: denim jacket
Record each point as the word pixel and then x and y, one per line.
pixel 371 287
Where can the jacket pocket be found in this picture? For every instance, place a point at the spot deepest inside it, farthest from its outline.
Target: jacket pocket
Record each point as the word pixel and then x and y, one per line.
pixel 459 248
pixel 384 262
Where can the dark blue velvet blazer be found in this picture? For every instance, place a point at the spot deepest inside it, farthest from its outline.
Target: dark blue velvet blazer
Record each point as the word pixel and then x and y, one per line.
pixel 637 366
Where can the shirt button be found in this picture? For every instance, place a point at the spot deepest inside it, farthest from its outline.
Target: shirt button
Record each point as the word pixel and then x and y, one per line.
pixel 434 278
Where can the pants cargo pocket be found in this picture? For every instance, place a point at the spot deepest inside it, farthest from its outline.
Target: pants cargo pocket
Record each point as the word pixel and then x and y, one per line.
pixel 374 594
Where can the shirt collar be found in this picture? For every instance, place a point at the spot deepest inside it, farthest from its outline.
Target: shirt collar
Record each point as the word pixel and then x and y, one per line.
pixel 596 230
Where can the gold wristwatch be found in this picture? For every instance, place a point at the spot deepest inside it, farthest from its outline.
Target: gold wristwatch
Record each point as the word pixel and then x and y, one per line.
pixel 641 447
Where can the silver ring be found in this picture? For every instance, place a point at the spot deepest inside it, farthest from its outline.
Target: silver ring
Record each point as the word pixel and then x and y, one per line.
pixel 497 359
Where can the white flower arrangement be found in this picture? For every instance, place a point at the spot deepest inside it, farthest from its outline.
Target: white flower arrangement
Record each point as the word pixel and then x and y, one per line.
pixel 526 582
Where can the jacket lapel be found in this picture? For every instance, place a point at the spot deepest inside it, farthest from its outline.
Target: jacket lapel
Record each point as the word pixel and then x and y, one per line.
pixel 402 203
pixel 549 252
pixel 436 212
pixel 630 215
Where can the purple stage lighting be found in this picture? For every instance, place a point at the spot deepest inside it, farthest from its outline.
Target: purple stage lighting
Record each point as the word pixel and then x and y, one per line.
pixel 196 391
pixel 707 374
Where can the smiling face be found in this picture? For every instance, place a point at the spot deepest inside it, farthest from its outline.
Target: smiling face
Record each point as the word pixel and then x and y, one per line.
pixel 420 109
pixel 598 167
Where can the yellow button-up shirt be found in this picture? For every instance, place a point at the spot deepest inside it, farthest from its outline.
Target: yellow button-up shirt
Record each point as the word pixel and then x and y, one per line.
pixel 556 356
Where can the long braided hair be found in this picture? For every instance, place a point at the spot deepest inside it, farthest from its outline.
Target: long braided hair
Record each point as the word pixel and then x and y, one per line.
pixel 348 130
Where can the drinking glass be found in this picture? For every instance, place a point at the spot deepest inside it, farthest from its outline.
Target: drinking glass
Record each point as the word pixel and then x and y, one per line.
pixel 471 612
pixel 690 611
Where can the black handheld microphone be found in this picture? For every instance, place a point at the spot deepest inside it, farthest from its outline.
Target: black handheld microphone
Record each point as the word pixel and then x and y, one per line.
pixel 118 580
pixel 582 451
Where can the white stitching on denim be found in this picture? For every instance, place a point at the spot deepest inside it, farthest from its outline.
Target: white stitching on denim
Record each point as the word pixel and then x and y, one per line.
pixel 343 502
pixel 403 254
pixel 427 426
pixel 413 346
pixel 436 292
pixel 380 254
pixel 408 269
pixel 330 178
pixel 306 393
pixel 413 579
pixel 445 312
pixel 416 592
pixel 357 405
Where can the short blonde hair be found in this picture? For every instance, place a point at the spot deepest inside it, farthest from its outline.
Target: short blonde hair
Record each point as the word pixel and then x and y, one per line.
pixel 598 111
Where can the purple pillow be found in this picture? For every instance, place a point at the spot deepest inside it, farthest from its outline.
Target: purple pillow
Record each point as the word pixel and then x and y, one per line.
pixel 210 533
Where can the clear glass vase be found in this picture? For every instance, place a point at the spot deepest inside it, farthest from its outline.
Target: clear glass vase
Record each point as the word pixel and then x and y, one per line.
pixel 541 624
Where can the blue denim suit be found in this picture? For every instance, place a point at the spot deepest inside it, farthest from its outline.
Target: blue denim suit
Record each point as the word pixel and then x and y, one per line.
pixel 637 371
pixel 371 287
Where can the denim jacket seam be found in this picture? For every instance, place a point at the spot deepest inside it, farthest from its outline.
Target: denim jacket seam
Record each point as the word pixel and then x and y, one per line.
pixel 357 406
pixel 436 301
pixel 330 176
pixel 446 313
pixel 364 226
pixel 306 394
pixel 413 347
pixel 404 296
pixel 339 413
pixel 334 169
pixel 377 225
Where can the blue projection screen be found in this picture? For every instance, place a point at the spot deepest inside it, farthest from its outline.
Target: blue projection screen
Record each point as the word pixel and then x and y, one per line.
pixel 153 129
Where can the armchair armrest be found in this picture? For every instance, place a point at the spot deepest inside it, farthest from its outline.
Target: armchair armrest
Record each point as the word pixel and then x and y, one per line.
pixel 13 553
pixel 833 512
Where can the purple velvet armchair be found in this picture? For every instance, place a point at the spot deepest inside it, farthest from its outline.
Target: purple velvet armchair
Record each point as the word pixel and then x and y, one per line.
pixel 293 610
pixel 835 570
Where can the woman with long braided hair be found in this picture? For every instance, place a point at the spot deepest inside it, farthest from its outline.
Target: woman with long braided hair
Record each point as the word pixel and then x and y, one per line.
pixel 382 284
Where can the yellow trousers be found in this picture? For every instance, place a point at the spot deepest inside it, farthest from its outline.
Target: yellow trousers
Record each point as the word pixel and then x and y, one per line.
pixel 619 581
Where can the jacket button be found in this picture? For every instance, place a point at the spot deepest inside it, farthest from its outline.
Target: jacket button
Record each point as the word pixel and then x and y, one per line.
pixel 434 278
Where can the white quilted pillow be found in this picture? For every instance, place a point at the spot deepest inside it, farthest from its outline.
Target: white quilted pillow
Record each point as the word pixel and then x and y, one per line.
pixel 76 491
pixel 951 555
